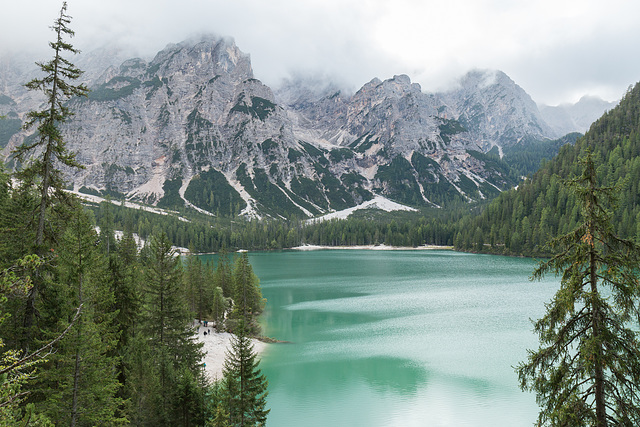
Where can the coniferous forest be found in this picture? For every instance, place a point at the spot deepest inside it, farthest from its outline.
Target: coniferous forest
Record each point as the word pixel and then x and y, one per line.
pixel 518 222
pixel 99 330
pixel 521 222
pixel 95 330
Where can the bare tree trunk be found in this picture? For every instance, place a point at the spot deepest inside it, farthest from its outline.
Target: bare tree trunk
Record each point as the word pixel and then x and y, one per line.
pixel 76 370
pixel 601 409
pixel 76 382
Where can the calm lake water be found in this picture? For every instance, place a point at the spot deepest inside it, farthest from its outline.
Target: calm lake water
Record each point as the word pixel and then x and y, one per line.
pixel 398 338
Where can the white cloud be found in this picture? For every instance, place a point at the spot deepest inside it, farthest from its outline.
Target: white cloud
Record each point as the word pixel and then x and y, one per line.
pixel 556 50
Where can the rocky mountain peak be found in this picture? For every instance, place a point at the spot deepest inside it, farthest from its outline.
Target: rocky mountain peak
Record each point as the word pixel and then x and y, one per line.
pixel 495 110
pixel 483 79
pixel 565 118
pixel 205 56
pixel 193 127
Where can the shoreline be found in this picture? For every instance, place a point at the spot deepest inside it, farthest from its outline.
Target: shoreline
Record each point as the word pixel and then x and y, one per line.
pixel 372 248
pixel 357 247
pixel 215 349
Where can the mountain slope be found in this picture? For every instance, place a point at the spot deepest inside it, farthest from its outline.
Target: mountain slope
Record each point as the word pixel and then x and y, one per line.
pixel 497 111
pixel 566 118
pixel 193 127
pixel 521 221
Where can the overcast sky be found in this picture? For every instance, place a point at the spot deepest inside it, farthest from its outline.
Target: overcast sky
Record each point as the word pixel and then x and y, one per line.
pixel 557 50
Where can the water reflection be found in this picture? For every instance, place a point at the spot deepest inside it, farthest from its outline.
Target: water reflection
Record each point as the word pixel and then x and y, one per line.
pixel 398 338
pixel 384 374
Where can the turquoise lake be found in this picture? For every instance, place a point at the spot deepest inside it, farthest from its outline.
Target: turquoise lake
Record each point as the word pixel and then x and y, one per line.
pixel 398 338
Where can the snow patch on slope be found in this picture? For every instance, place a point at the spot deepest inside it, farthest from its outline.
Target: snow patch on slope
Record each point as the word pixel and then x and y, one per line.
pixel 250 210
pixel 378 202
pixel 127 204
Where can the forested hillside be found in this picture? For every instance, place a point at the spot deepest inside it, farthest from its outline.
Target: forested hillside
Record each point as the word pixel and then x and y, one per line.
pixel 95 330
pixel 521 221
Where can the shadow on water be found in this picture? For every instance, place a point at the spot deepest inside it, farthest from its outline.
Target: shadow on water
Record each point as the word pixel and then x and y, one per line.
pixel 383 374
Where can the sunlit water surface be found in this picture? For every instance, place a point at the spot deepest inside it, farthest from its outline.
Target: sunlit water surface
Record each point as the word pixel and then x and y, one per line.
pixel 398 338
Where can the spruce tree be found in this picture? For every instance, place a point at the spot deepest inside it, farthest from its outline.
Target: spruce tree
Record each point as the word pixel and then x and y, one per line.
pixel 223 275
pixel 218 308
pixel 40 159
pixel 80 383
pixel 220 418
pixel 167 324
pixel 124 280
pixel 198 284
pixel 587 370
pixel 107 232
pixel 14 376
pixel 244 390
pixel 57 87
pixel 247 296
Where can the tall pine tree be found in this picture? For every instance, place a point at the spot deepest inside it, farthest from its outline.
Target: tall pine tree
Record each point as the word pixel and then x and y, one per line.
pixel 167 324
pixel 80 381
pixel 244 387
pixel 247 297
pixel 587 370
pixel 41 158
pixel 57 87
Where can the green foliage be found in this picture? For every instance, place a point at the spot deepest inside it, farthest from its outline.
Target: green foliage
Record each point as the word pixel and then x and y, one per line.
pixel 399 181
pixel 293 155
pixel 199 138
pixel 199 284
pixel 369 227
pixel 116 88
pixel 212 192
pixel 333 189
pixel 587 371
pixel 315 152
pixel 340 154
pixel 355 184
pixel 244 387
pixel 80 377
pixel 521 221
pixel 247 298
pixel 259 108
pixel 14 375
pixel 268 145
pixel 9 126
pixel 219 307
pixel 57 88
pixel 309 189
pixel 525 159
pixel 499 170
pixel 166 322
pixel 270 196
pixel 114 354
pixel 363 143
pixel 153 84
pixel 223 276
pixel 448 128
pixel 171 198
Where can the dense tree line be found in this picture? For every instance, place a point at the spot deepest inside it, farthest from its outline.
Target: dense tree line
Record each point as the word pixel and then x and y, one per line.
pixel 587 369
pixel 521 221
pixel 95 330
pixel 130 352
pixel 206 234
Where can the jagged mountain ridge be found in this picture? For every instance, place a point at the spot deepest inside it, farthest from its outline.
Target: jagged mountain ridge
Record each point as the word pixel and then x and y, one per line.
pixel 194 126
pixel 565 118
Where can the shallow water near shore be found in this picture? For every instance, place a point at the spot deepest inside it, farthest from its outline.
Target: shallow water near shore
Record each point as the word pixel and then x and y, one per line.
pixel 398 338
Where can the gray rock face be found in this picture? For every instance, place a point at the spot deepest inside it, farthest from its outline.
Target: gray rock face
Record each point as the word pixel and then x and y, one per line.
pixel 193 126
pixel 496 111
pixel 578 117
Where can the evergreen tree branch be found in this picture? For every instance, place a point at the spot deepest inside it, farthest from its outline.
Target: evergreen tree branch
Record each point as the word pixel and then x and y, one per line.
pixel 46 347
